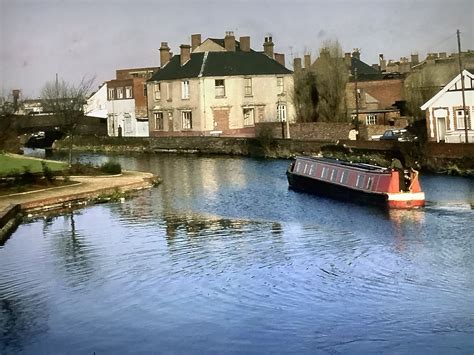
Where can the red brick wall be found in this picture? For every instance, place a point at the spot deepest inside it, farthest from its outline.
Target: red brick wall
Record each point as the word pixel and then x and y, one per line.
pixel 385 91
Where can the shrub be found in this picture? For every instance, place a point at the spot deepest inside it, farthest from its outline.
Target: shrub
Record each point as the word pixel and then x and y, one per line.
pixel 111 168
pixel 47 172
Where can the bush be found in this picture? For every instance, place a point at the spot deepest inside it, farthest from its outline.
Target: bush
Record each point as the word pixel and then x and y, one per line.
pixel 111 168
pixel 47 172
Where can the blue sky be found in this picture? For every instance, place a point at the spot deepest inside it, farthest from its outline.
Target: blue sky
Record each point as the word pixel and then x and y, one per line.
pixel 95 37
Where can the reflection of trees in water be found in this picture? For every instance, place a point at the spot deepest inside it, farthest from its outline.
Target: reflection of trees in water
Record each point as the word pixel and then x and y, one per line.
pixel 74 253
pixel 20 321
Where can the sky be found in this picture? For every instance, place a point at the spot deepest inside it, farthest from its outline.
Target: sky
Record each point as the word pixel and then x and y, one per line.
pixel 93 38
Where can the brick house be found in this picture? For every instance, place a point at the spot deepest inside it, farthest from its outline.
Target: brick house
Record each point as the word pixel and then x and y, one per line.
pixel 444 111
pixel 219 86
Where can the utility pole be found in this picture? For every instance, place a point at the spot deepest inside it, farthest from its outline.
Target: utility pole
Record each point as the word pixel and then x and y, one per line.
pixel 357 104
pixel 465 113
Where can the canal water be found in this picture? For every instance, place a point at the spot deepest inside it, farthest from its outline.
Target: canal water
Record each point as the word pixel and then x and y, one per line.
pixel 223 258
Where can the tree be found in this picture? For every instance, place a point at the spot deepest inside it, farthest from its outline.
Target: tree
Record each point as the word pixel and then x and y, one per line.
pixel 331 78
pixel 305 96
pixel 8 130
pixel 66 102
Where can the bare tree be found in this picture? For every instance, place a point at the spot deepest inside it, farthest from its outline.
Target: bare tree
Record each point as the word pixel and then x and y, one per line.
pixel 66 102
pixel 331 78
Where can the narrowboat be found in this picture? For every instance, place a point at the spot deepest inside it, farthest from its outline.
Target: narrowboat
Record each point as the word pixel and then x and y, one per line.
pixel 356 182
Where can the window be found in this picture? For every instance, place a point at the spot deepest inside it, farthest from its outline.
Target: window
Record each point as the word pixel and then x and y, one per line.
pixel 249 116
pixel 248 86
pixel 111 93
pixel 185 89
pixel 220 88
pixel 370 119
pixel 333 175
pixel 145 90
pixel 311 169
pixel 305 168
pixel 281 112
pixel 460 119
pixel 119 93
pixel 324 173
pixel 158 120
pixel 187 119
pixel 169 88
pixel 280 85
pixel 157 91
pixel 370 181
pixel 360 181
pixel 298 167
pixel 128 92
pixel 344 177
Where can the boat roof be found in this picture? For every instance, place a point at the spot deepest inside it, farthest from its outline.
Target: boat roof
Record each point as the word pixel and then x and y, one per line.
pixel 363 166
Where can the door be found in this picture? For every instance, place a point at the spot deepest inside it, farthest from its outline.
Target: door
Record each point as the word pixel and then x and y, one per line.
pixel 441 129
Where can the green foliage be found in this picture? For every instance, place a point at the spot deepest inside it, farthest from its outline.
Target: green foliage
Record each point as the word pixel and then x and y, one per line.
pixel 11 162
pixel 47 172
pixel 111 167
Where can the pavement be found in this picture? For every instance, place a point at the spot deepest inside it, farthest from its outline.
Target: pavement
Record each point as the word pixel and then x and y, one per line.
pixel 88 187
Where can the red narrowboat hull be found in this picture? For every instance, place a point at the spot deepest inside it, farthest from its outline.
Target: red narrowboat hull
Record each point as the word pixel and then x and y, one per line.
pixel 360 183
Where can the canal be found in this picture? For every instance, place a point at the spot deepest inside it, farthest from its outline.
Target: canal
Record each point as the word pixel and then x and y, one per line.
pixel 223 258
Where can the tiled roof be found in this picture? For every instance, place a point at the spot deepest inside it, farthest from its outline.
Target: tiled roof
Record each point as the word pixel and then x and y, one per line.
pixel 220 64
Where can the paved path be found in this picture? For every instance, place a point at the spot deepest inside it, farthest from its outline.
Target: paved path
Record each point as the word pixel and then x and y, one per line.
pixel 88 187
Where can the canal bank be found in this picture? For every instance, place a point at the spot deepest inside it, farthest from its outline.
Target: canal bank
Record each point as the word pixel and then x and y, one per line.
pixel 444 158
pixel 88 190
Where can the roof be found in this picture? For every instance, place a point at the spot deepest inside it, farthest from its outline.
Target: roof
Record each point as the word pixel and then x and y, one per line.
pixel 364 71
pixel 446 88
pixel 220 64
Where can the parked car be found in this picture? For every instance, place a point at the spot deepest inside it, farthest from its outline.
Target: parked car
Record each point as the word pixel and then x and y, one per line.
pixel 401 135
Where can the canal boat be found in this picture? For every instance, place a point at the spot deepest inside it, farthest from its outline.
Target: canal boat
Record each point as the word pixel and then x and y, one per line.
pixel 356 182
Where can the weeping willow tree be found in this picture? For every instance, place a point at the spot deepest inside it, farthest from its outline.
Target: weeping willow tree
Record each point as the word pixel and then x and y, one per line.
pixel 332 76
pixel 66 101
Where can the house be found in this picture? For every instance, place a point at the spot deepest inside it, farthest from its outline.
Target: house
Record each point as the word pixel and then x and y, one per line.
pixel 446 120
pixel 96 104
pixel 218 87
pixel 127 104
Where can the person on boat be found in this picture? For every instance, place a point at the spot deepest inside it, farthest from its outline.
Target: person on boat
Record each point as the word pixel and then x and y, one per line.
pixel 398 166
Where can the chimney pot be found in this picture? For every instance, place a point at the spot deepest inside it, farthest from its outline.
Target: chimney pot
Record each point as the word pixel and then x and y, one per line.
pixel 268 47
pixel 229 41
pixel 165 54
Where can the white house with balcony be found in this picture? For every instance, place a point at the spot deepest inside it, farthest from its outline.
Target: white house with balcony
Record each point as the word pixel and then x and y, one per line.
pixel 446 120
pixel 219 87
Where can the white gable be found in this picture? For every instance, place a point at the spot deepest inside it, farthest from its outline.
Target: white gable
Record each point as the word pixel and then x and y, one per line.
pixel 209 46
pixel 454 84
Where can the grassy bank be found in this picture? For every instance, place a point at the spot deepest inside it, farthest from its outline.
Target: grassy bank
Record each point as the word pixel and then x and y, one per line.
pixel 12 163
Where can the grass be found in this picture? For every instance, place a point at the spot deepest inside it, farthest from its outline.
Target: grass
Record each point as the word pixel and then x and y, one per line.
pixel 11 163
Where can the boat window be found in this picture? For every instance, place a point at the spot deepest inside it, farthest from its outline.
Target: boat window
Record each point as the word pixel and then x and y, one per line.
pixel 305 168
pixel 360 181
pixel 370 181
pixel 311 169
pixel 324 173
pixel 333 175
pixel 298 167
pixel 344 177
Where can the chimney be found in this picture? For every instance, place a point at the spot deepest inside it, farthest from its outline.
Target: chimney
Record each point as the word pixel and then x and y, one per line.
pixel 347 59
pixel 356 53
pixel 229 41
pixel 414 59
pixel 16 98
pixel 307 61
pixel 245 44
pixel 268 47
pixel 165 55
pixel 297 64
pixel 280 58
pixel 185 53
pixel 382 63
pixel 195 41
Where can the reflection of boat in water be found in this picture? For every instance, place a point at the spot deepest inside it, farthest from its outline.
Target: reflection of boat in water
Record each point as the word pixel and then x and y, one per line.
pixel 355 182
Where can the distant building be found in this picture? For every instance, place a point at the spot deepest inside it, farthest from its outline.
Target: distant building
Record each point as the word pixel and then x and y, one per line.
pixel 96 105
pixel 127 113
pixel 444 111
pixel 219 86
